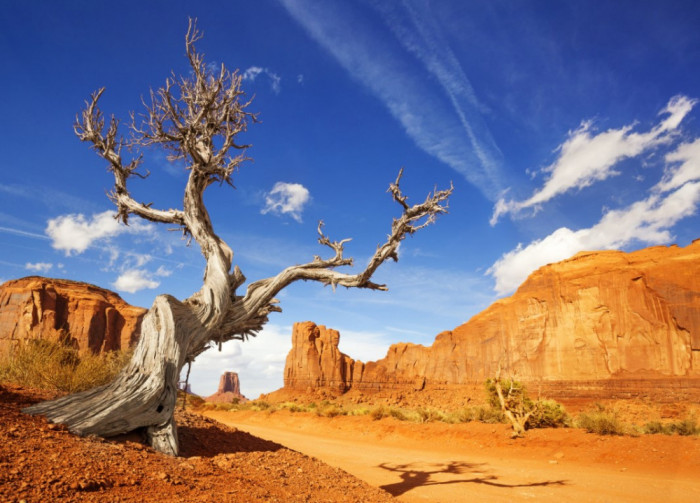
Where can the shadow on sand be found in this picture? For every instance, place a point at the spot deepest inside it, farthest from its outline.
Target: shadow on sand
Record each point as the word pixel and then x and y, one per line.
pixel 412 477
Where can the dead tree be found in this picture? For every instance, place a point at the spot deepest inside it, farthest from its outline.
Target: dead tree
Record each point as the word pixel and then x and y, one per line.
pixel 514 403
pixel 197 119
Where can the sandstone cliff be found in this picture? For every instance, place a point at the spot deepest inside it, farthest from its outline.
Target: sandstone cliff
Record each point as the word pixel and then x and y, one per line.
pixel 229 390
pixel 597 316
pixel 91 318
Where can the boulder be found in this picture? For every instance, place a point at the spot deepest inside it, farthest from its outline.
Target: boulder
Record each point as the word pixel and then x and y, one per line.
pixel 229 390
pixel 88 317
pixel 598 316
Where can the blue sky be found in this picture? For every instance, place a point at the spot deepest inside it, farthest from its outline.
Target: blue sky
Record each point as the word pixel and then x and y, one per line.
pixel 564 126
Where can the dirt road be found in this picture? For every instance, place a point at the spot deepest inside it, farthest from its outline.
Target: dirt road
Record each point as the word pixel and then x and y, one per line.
pixel 449 469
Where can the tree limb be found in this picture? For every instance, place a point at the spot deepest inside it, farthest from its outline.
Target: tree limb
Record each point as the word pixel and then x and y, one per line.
pixel 258 300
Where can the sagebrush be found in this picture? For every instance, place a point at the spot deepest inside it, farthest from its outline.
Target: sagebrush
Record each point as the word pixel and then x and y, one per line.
pixel 56 366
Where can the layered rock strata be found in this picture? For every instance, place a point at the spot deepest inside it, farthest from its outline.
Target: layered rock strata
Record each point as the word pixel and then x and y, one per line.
pixel 88 317
pixel 598 316
pixel 229 390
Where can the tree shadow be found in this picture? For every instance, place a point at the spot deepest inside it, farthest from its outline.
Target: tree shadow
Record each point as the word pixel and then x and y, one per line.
pixel 412 477
pixel 209 442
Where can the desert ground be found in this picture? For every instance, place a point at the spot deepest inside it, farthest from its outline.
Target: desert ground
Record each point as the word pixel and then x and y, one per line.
pixel 440 462
pixel 299 456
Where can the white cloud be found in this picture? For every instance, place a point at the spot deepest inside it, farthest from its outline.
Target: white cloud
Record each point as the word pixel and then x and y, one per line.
pixel 133 280
pixel 258 361
pixel 648 221
pixel 447 125
pixel 586 158
pixel 684 166
pixel 163 272
pixel 287 198
pixel 254 72
pixel 42 267
pixel 364 346
pixel 74 233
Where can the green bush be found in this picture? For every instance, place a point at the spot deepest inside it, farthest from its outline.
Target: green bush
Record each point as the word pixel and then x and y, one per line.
pixel 601 422
pixel 686 427
pixel 378 413
pixel 56 366
pixel 656 428
pixel 548 414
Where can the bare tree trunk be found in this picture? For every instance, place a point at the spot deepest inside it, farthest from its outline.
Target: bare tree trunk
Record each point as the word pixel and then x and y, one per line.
pixel 143 395
pixel 198 123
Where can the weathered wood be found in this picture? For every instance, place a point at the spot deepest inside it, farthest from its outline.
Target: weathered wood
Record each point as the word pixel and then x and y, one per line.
pixel 197 119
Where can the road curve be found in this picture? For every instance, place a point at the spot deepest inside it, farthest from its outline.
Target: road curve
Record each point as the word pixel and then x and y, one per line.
pixel 416 472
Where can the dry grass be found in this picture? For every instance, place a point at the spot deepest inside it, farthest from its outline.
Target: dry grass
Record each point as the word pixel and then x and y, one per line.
pixel 57 367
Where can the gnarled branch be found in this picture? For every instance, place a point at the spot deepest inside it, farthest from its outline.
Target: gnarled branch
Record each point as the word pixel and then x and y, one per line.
pixel 258 300
pixel 90 127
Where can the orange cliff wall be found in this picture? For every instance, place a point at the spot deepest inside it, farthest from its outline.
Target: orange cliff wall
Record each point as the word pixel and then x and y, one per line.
pixel 597 316
pixel 93 318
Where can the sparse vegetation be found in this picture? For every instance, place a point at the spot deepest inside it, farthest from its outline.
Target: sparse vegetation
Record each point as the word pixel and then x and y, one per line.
pixel 56 366
pixel 602 422
pixel 511 398
pixel 686 427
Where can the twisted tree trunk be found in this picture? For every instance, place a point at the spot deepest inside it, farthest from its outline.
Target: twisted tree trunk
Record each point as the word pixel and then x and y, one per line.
pixel 198 124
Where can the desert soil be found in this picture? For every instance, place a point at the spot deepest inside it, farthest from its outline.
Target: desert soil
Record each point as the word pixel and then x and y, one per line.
pixel 42 462
pixel 439 462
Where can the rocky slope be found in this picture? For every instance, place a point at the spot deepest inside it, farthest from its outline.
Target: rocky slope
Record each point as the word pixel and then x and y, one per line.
pixel 597 316
pixel 42 462
pixel 229 390
pixel 92 318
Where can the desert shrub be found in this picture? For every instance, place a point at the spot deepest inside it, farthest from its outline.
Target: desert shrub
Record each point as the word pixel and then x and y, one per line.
pixel 295 408
pixel 259 405
pixel 227 406
pixel 359 411
pixel 687 427
pixel 399 414
pixel 601 422
pixel 656 428
pixel 548 414
pixel 58 367
pixel 331 410
pixel 379 412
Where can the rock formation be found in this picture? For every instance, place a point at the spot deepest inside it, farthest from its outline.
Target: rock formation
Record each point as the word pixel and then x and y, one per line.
pixel 90 318
pixel 229 390
pixel 598 316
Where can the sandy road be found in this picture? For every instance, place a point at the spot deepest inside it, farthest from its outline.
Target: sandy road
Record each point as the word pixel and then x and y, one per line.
pixel 417 470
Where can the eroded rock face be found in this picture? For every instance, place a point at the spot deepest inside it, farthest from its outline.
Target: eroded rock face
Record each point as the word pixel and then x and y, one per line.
pixel 229 389
pixel 597 316
pixel 315 361
pixel 91 318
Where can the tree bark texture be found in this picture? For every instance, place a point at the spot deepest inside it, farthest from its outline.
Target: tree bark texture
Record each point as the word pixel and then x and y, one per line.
pixel 196 119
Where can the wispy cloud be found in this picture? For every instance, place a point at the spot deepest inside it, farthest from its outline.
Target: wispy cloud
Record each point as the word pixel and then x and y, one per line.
pixel 19 232
pixel 287 199
pixel 42 267
pixel 254 72
pixel 445 122
pixel 587 158
pixel 75 233
pixel 648 221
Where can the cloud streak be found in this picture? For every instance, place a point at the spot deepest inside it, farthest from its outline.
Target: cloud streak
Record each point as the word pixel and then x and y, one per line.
pixel 649 221
pixel 587 158
pixel 446 123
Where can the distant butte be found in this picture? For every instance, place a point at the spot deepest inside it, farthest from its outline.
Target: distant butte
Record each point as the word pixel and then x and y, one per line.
pixel 229 390
pixel 599 320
